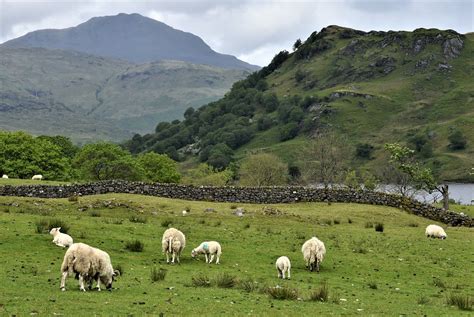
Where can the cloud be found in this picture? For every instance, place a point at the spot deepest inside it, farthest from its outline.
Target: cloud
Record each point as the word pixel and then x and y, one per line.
pixel 253 30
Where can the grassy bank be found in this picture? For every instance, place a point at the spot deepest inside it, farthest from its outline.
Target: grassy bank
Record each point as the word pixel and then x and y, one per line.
pixel 397 271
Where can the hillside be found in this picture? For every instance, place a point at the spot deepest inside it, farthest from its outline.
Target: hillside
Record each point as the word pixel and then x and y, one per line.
pixel 130 37
pixel 369 87
pixel 87 97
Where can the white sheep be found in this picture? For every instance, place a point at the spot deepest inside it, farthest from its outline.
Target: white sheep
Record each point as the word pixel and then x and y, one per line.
pixel 283 265
pixel 313 252
pixel 208 248
pixel 61 239
pixel 184 212
pixel 37 177
pixel 5 176
pixel 173 242
pixel 435 231
pixel 89 264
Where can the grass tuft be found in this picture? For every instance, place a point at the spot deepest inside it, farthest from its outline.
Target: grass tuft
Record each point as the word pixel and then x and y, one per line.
pixel 438 282
pixel 201 281
pixel 248 285
pixel 463 302
pixel 134 246
pixel 45 225
pixel 321 294
pixel 137 219
pixel 372 285
pixel 225 280
pixel 379 227
pixel 73 198
pixel 349 220
pixel 157 274
pixel 369 224
pixel 336 221
pixel 413 224
pixel 94 213
pixel 282 293
pixel 166 223
pixel 119 268
pixel 422 300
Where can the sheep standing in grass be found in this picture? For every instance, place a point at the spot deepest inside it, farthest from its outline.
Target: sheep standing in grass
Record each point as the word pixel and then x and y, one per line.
pixel 37 177
pixel 435 231
pixel 184 213
pixel 208 248
pixel 173 242
pixel 60 239
pixel 5 176
pixel 88 264
pixel 283 265
pixel 313 252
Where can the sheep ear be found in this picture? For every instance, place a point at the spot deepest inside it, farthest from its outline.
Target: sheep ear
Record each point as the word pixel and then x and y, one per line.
pixel 59 228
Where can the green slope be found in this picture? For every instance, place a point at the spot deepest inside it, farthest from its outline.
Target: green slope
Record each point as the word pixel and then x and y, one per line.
pixel 373 88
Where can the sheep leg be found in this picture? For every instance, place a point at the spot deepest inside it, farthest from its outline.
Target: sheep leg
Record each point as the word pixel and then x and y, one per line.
pixel 317 266
pixel 174 256
pixel 98 283
pixel 81 283
pixel 207 260
pixel 279 273
pixel 289 273
pixel 63 281
pixel 283 274
pixel 212 258
pixel 217 259
pixel 177 258
pixel 167 257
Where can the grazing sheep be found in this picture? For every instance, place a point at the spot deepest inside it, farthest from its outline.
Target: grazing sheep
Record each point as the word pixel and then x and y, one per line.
pixel 313 252
pixel 184 212
pixel 208 248
pixel 173 242
pixel 435 231
pixel 37 177
pixel 61 239
pixel 5 176
pixel 283 265
pixel 88 264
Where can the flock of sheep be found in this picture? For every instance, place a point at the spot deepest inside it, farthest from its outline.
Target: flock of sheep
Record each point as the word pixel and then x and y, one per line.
pixel 90 264
pixel 37 177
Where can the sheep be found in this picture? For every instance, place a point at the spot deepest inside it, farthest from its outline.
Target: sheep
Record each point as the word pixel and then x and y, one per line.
pixel 313 252
pixel 37 177
pixel 5 176
pixel 208 248
pixel 435 231
pixel 61 239
pixel 184 212
pixel 173 242
pixel 283 265
pixel 88 264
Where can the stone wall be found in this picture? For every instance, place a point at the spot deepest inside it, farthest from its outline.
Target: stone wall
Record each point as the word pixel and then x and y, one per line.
pixel 259 195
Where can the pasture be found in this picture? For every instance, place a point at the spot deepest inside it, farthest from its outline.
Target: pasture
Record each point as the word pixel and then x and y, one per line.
pixel 395 272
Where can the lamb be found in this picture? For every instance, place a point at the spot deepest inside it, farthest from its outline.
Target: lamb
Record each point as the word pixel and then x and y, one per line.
pixel 208 248
pixel 173 242
pixel 313 252
pixel 88 264
pixel 37 177
pixel 5 176
pixel 283 265
pixel 61 239
pixel 435 231
pixel 184 212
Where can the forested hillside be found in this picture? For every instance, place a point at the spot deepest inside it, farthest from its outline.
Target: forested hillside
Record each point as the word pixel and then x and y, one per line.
pixel 366 88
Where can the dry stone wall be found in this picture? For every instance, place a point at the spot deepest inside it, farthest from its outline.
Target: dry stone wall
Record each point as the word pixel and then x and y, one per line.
pixel 259 195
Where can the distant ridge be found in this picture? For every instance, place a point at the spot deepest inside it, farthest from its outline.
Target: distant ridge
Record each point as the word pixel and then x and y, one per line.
pixel 131 37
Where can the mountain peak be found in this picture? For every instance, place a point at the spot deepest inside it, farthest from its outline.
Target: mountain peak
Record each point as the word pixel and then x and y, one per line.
pixel 130 37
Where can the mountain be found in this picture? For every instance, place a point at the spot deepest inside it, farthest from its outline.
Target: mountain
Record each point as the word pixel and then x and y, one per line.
pixel 89 98
pixel 368 87
pixel 130 37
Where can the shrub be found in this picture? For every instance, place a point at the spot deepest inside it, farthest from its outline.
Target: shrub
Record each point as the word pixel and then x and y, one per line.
pixel 201 281
pixel 165 223
pixel 225 280
pixel 364 151
pixel 464 302
pixel 248 285
pixel 321 294
pixel 282 293
pixel 45 225
pixel 157 274
pixel 137 219
pixel 94 213
pixel 379 227
pixel 134 246
pixel 457 141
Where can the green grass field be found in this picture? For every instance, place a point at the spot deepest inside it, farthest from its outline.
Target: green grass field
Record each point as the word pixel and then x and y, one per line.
pixel 397 272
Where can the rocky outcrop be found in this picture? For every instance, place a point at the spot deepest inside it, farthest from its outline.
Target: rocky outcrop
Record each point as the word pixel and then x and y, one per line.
pixel 452 47
pixel 259 195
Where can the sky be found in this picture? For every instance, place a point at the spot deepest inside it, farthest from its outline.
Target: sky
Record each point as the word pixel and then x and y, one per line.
pixel 252 30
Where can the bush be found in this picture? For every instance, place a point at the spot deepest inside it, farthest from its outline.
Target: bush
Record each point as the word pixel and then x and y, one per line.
pixel 201 281
pixel 364 151
pixel 45 225
pixel 134 246
pixel 282 293
pixel 157 274
pixel 457 141
pixel 94 213
pixel 289 131
pixel 225 280
pixel 463 302
pixel 379 227
pixel 137 219
pixel 248 285
pixel 321 294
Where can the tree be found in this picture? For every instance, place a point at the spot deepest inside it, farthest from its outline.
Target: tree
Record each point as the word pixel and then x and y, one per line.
pixel 205 175
pixel 68 149
pixel 22 156
pixel 351 181
pixel 103 161
pixel 402 158
pixel 324 159
pixel 263 169
pixel 159 168
pixel 297 44
pixel 364 151
pixel 289 131
pixel 457 141
pixel 220 156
